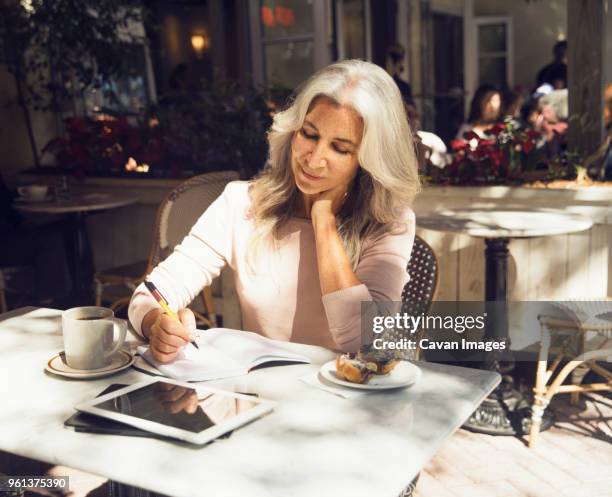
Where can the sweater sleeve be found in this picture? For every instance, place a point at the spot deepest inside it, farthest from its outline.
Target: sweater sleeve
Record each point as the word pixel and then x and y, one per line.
pixel 193 264
pixel 383 275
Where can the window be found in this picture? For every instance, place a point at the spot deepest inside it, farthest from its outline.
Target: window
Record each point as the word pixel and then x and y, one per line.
pixel 286 29
pixel 290 39
pixel 288 63
pixel 125 94
pixel 494 49
pixel 353 32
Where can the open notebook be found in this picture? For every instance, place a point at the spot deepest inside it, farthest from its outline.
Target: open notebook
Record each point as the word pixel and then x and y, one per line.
pixel 223 353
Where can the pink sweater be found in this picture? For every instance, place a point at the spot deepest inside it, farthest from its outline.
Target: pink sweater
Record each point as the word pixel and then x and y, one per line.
pixel 282 298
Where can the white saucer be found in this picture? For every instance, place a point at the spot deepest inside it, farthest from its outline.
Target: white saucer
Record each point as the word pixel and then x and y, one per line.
pixel 403 375
pixel 121 360
pixel 32 200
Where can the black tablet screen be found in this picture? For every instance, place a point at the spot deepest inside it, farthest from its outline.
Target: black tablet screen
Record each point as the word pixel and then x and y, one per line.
pixel 177 406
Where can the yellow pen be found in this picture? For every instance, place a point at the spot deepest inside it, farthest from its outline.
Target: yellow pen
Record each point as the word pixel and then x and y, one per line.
pixel 164 304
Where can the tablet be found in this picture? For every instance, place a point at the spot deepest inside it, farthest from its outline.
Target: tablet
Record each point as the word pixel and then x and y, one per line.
pixel 176 409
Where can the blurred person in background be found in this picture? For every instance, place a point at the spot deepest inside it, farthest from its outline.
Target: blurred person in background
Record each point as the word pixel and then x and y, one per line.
pixel 395 67
pixel 600 162
pixel 513 103
pixel 555 73
pixel 551 121
pixel 485 111
pixel 530 112
pixel 430 148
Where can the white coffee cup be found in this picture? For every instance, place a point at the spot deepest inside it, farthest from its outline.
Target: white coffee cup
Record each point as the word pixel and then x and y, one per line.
pixel 88 336
pixel 33 192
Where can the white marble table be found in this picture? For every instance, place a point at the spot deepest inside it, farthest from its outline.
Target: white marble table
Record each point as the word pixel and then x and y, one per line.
pixel 313 444
pixel 503 413
pixel 87 202
pixel 505 223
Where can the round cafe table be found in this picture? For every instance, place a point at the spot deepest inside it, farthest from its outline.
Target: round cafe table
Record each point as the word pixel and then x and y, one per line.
pixel 503 412
pixel 76 207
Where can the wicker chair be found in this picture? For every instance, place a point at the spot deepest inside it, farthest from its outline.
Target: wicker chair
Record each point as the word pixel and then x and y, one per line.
pixel 585 335
pixel 176 215
pixel 419 292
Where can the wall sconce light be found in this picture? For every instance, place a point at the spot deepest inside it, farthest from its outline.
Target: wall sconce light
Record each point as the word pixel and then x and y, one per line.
pixel 199 43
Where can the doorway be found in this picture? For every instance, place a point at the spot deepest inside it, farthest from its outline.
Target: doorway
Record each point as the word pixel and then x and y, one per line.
pixel 448 91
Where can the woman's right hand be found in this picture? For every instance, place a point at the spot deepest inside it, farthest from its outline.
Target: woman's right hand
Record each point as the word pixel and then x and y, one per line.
pixel 166 336
pixel 175 399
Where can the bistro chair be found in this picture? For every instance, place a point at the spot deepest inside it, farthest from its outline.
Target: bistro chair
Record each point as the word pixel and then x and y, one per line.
pixel 419 292
pixel 584 336
pixel 417 297
pixel 176 215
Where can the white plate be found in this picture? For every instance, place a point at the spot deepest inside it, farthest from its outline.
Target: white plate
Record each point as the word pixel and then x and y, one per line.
pixel 403 375
pixel 56 365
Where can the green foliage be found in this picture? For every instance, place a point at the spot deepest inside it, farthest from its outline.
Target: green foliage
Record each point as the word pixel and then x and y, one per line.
pixel 58 48
pixel 216 127
pixel 219 126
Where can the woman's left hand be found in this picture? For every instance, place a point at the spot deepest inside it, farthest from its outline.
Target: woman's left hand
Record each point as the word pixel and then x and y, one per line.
pixel 329 202
pixel 335 269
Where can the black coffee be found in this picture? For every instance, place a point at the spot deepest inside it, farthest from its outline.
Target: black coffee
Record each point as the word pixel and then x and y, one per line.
pixel 88 318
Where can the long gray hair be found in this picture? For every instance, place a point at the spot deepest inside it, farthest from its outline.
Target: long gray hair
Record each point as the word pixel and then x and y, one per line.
pixel 387 180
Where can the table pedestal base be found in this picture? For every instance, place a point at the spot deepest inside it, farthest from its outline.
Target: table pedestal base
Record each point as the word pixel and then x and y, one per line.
pixel 505 412
pixel 82 261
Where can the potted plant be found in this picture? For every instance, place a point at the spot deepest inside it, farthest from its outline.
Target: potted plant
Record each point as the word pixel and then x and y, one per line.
pixel 220 127
pixel 504 155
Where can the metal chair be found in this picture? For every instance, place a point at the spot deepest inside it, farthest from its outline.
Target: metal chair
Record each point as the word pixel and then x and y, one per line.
pixel 176 215
pixel 584 333
pixel 417 297
pixel 420 291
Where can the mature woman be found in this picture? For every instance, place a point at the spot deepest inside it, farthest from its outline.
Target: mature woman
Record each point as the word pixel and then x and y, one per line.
pixel 485 110
pixel 325 226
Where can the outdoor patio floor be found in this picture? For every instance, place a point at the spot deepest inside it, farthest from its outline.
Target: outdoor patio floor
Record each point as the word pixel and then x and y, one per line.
pixel 572 459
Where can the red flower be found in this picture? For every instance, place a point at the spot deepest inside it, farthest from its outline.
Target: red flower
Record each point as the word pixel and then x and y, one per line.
pixel 76 125
pixel 267 16
pixel 78 155
pixel 470 135
pixel 78 128
pixel 458 144
pixel 496 156
pixel 532 133
pixel 480 153
pixel 527 145
pixel 496 129
pixel 284 16
pixel 486 142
